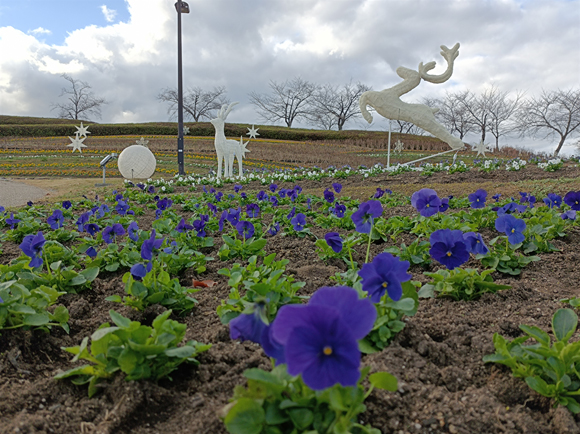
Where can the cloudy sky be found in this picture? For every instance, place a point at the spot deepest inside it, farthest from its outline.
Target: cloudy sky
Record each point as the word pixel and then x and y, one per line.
pixel 126 49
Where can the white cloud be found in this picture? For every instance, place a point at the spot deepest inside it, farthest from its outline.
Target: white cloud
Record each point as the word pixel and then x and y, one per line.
pixel 40 31
pixel 527 46
pixel 109 14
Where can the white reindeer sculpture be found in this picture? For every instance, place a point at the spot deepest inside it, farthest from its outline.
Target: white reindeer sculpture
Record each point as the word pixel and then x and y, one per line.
pixel 388 104
pixel 227 149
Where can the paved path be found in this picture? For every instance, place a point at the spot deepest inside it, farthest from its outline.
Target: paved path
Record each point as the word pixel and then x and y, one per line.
pixel 14 193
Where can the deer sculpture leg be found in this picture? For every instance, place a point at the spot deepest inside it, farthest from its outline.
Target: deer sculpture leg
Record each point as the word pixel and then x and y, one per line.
pixel 239 157
pixel 219 160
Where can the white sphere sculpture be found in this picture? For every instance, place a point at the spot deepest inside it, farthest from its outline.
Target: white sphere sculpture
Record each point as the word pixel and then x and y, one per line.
pixel 136 162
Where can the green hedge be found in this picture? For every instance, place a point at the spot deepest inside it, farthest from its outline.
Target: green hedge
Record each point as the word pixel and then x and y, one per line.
pixel 64 127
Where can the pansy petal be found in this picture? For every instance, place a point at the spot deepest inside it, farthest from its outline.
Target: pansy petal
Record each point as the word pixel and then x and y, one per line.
pixel 358 314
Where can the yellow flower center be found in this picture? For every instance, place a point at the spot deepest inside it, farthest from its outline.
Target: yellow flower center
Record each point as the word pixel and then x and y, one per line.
pixel 513 230
pixel 448 253
pixel 427 206
pixel 327 351
pixel 385 284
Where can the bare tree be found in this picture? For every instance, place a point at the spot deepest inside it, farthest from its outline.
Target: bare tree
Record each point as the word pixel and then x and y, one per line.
pixel 451 114
pixel 502 110
pixel 323 120
pixel 476 110
pixel 197 102
pixel 337 104
pixel 289 101
pixel 80 100
pixel 405 127
pixel 554 113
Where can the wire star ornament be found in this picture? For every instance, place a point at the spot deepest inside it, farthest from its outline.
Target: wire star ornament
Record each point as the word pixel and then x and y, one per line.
pixel 77 143
pixel 253 132
pixel 185 130
pixel 244 147
pixel 399 146
pixel 82 131
pixel 142 142
pixel 481 148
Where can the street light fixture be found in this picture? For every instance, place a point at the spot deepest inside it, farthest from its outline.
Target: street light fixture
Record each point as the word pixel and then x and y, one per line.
pixel 182 8
pixel 103 164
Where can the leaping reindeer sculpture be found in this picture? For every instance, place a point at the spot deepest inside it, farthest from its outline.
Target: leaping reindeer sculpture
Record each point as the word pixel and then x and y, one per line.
pixel 227 149
pixel 389 105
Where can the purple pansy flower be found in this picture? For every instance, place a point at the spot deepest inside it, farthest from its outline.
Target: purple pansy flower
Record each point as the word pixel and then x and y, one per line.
pixel 365 216
pixel 385 273
pixel 572 199
pixel 478 198
pixel 320 339
pixel 298 222
pixel 32 246
pixel 56 220
pixel 474 243
pixel 110 233
pixel 513 227
pixel 334 241
pixel 448 247
pixel 426 202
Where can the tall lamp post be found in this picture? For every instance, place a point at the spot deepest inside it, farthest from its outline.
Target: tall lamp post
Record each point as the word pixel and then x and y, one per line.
pixel 182 8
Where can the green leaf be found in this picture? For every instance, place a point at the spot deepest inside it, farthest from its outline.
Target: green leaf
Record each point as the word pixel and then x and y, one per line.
pixel 336 402
pixel 36 319
pixel 182 352
pixel 384 380
pixel 302 418
pixel 90 273
pixel 366 347
pixel 564 324
pixel 60 314
pixel 115 298
pixel 245 417
pixel 273 414
pixel 538 385
pixel 427 291
pixel 77 280
pixel 127 361
pixel 100 333
pixel 21 309
pixel 119 319
pixel 262 376
pixel 537 333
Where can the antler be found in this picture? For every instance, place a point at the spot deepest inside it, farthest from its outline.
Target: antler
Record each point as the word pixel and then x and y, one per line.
pixel 448 54
pixel 223 113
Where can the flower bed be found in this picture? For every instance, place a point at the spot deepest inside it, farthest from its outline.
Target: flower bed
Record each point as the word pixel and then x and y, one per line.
pixel 265 256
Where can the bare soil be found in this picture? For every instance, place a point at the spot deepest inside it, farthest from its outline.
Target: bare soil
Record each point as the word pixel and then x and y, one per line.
pixel 444 385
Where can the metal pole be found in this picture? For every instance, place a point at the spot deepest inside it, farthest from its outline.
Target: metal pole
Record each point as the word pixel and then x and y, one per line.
pixel 180 162
pixel 103 175
pixel 389 150
pixel 431 156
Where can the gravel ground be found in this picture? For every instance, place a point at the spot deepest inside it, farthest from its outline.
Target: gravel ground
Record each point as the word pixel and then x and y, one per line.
pixel 14 193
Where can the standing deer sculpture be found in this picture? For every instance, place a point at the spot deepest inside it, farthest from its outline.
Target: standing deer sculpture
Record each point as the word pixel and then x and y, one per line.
pixel 388 104
pixel 227 149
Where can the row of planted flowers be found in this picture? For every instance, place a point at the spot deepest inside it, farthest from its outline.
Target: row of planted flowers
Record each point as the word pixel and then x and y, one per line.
pixel 268 176
pixel 318 381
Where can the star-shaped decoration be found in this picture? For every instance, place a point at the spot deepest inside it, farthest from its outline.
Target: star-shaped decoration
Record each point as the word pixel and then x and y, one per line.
pixel 185 130
pixel 244 148
pixel 142 142
pixel 77 143
pixel 480 148
pixel 399 146
pixel 82 131
pixel 253 132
